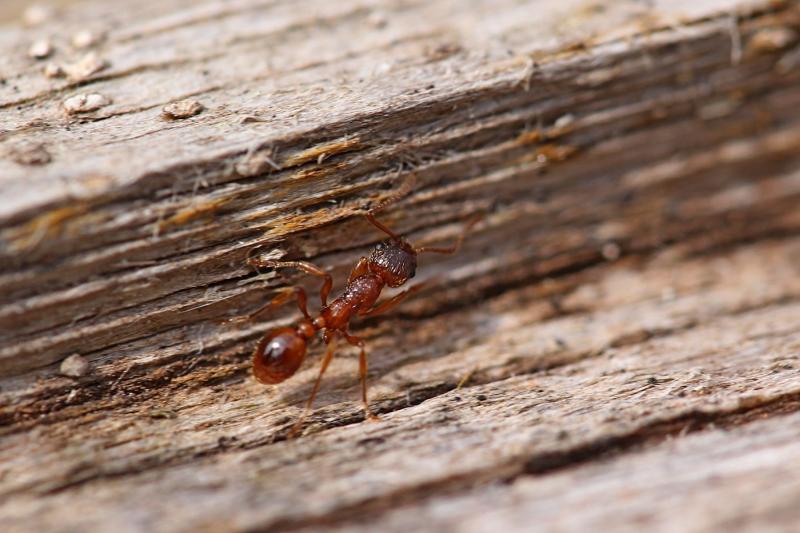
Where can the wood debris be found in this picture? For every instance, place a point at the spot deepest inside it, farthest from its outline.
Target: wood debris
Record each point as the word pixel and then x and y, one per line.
pixel 182 109
pixel 84 103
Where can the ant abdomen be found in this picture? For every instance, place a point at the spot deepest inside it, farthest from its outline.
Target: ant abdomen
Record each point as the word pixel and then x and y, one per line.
pixel 278 355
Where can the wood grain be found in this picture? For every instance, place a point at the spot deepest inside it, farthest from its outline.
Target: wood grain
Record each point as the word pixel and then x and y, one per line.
pixel 633 278
pixel 683 484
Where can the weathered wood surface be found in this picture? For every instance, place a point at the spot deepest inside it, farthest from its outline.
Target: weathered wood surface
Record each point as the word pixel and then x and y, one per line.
pixel 634 278
pixel 744 479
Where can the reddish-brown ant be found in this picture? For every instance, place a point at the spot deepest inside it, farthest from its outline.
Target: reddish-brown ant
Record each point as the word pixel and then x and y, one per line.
pixel 391 263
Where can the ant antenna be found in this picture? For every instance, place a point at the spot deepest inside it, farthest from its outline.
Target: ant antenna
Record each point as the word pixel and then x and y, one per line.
pixel 380 226
pixel 453 248
pixel 401 191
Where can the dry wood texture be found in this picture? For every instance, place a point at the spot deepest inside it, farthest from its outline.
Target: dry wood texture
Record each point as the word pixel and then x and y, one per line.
pixel 634 278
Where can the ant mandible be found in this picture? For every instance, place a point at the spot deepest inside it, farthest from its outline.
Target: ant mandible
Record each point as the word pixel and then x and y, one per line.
pixel 391 263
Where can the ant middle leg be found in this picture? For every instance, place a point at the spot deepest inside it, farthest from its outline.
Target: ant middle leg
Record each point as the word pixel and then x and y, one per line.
pixel 362 372
pixel 305 266
pixel 329 351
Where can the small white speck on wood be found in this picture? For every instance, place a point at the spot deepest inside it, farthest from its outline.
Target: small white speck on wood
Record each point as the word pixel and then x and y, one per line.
pixel 74 366
pixel 40 49
pixel 182 109
pixel 84 103
pixel 53 70
pixel 86 39
pixel 90 64
pixel 36 14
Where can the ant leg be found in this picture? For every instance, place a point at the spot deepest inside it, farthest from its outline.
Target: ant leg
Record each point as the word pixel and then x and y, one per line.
pixel 359 270
pixel 453 248
pixel 325 362
pixel 305 266
pixel 284 295
pixel 393 301
pixel 309 404
pixel 362 372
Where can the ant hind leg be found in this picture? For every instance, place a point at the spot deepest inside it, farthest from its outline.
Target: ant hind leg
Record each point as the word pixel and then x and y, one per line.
pixel 331 348
pixel 362 373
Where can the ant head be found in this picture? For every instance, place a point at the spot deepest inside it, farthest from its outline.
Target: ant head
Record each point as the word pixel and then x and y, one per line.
pixel 278 355
pixel 394 260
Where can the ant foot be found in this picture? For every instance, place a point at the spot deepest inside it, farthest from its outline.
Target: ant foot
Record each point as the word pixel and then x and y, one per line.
pixel 371 417
pixel 295 431
pixel 258 262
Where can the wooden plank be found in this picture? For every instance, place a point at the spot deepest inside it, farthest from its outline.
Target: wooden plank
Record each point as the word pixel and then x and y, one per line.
pixel 634 273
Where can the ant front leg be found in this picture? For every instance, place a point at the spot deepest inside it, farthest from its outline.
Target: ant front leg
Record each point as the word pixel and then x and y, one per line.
pixel 305 266
pixel 361 268
pixel 362 372
pixel 394 301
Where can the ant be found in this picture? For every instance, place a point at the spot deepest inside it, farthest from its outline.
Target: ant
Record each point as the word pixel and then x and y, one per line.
pixel 391 263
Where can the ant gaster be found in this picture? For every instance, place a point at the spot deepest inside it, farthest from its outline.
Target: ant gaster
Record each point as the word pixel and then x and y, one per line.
pixel 391 263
